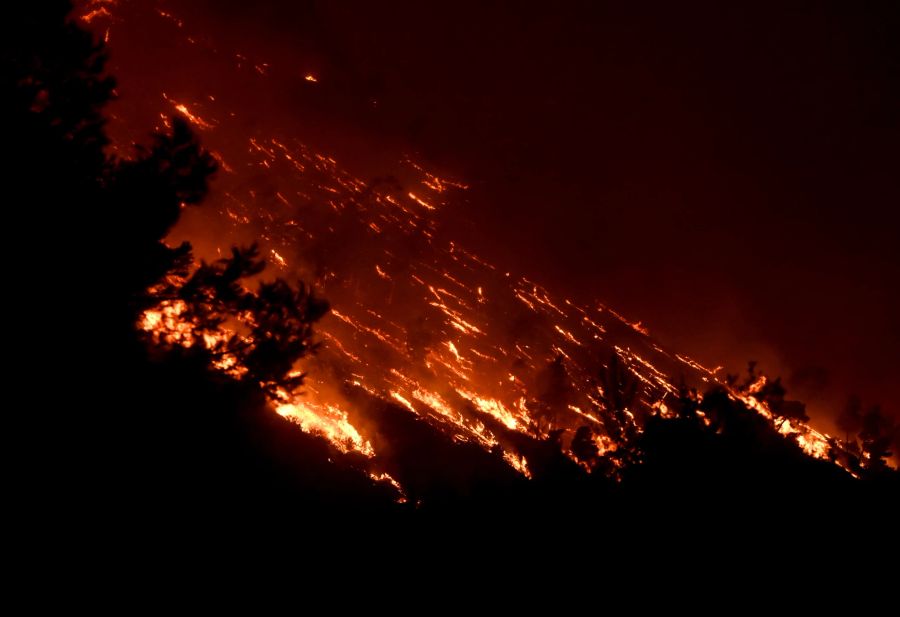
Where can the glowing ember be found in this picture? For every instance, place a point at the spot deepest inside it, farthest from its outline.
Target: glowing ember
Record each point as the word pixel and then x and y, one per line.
pixel 421 202
pixel 96 13
pixel 278 258
pixel 191 117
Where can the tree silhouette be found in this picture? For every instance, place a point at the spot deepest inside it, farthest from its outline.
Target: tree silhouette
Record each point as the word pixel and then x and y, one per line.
pixel 99 221
pixel 850 420
pixel 584 448
pixel 877 434
pixel 55 88
pixel 618 394
pixel 145 197
pixel 770 392
pixel 265 331
pixel 138 422
pixel 554 394
pixel 112 215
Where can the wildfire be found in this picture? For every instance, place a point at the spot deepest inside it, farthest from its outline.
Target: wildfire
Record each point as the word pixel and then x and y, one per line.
pixel 328 421
pixel 519 463
pixel 492 407
pixel 812 441
pixel 439 331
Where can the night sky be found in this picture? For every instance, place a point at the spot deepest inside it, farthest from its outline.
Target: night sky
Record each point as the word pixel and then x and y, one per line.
pixel 725 174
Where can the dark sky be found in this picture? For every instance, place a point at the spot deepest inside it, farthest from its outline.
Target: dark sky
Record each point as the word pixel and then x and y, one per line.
pixel 726 172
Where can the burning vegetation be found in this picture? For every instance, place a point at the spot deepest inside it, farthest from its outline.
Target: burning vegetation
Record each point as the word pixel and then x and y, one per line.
pixel 424 348
pixel 422 321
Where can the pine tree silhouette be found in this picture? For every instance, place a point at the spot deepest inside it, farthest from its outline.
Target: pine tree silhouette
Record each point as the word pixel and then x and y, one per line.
pixel 113 422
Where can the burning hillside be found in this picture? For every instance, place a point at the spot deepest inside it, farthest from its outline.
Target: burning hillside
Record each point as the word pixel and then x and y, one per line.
pixel 418 321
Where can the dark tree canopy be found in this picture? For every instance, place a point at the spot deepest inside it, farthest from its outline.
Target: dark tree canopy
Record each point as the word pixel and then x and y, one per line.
pixel 619 393
pixel 117 422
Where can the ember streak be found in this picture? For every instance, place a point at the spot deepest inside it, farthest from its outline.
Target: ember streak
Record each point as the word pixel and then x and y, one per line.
pixel 419 318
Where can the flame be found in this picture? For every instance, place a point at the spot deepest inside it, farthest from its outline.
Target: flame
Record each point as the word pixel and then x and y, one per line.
pixel 94 14
pixel 388 479
pixel 328 421
pixel 193 118
pixel 492 407
pixel 812 442
pixel 421 202
pixel 519 463
pixel 278 258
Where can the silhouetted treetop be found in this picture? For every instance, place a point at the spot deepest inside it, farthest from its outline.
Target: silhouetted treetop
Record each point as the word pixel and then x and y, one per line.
pixel 105 219
pixel 850 420
pixel 150 189
pixel 618 387
pixel 55 87
pixel 263 332
pixel 877 434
